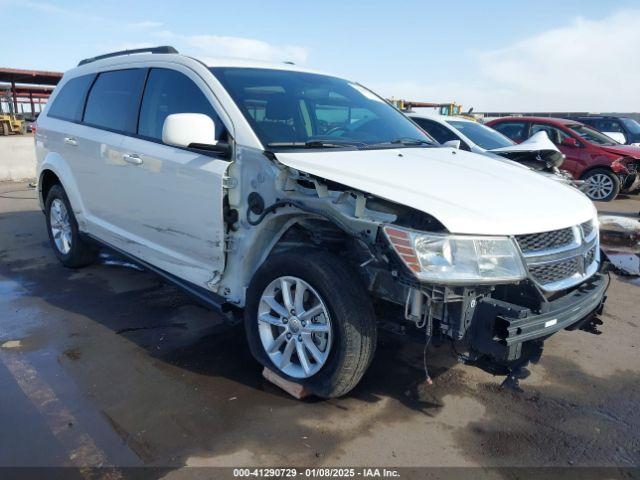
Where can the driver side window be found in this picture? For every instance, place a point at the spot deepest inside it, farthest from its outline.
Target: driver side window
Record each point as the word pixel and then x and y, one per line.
pixel 168 92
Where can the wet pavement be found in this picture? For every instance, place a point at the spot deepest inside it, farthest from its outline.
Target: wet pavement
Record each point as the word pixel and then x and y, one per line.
pixel 108 365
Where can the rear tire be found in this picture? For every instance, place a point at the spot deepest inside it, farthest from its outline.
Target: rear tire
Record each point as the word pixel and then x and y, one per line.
pixel 70 248
pixel 345 351
pixel 5 129
pixel 602 185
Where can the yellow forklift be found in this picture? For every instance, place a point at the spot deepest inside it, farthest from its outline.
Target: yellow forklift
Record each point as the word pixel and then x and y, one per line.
pixel 10 123
pixel 446 109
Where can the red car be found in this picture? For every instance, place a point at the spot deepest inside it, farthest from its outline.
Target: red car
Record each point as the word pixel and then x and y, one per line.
pixel 604 164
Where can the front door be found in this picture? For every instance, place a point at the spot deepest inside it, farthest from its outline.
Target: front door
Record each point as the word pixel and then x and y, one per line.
pixel 175 214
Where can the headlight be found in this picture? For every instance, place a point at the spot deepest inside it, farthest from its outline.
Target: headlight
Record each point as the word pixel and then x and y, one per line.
pixel 457 259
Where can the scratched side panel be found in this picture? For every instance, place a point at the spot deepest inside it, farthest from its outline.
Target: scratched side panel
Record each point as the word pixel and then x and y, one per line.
pixel 170 210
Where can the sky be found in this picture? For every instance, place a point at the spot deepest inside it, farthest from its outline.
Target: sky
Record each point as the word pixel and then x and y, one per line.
pixel 517 55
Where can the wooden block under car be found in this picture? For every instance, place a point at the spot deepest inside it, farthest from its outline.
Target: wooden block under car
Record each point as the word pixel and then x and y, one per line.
pixel 296 390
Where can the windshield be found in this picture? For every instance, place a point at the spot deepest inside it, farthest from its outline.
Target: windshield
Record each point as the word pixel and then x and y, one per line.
pixel 295 110
pixel 592 136
pixel 481 135
pixel 632 125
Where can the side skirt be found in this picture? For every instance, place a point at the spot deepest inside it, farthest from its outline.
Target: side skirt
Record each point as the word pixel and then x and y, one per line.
pixel 206 298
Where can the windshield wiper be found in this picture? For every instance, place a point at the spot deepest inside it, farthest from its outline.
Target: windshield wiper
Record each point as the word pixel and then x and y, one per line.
pixel 405 142
pixel 311 144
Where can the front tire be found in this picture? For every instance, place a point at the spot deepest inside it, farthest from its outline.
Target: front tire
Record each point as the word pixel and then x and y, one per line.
pixel 64 236
pixel 309 319
pixel 602 185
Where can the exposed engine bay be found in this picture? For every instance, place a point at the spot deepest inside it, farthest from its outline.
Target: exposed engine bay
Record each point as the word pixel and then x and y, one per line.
pixel 490 325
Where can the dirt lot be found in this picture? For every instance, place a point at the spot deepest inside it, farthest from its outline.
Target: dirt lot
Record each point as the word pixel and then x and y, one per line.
pixel 108 365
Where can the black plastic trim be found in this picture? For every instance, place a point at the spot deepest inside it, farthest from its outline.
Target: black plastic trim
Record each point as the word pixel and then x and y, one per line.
pixel 205 297
pixel 162 49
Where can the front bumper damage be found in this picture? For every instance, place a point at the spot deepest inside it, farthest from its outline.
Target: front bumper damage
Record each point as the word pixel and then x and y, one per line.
pixel 500 329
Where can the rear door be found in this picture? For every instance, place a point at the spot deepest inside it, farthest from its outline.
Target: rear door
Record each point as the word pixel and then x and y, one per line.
pixel 62 130
pixel 110 113
pixel 174 213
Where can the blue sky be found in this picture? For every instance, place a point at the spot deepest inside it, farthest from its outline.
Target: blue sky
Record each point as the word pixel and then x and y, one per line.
pixel 541 55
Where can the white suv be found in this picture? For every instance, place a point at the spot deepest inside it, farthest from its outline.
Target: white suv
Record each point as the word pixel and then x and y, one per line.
pixel 313 206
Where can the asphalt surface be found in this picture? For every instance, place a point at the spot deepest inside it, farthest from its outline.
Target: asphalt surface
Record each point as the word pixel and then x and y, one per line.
pixel 108 365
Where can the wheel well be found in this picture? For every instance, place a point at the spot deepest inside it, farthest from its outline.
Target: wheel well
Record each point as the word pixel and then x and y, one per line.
pixel 317 233
pixel 596 167
pixel 47 180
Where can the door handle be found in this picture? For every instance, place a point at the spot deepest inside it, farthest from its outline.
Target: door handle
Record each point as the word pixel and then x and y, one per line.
pixel 71 141
pixel 132 158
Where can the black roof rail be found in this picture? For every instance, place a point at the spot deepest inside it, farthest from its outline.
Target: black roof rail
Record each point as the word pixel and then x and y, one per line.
pixel 162 49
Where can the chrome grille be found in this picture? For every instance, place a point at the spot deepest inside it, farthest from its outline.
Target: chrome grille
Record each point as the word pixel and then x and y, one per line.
pixel 561 258
pixel 555 272
pixel 587 228
pixel 545 241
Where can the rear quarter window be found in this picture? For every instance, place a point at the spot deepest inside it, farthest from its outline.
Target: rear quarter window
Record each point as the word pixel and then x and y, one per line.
pixel 114 100
pixel 69 103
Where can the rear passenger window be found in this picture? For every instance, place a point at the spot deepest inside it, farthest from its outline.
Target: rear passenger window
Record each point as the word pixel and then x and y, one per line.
pixel 69 103
pixel 114 99
pixel 168 92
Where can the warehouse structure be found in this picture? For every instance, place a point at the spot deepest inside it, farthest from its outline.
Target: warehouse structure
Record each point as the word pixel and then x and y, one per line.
pixel 24 92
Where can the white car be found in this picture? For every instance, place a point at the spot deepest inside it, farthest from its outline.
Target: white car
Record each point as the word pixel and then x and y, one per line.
pixel 310 205
pixel 537 153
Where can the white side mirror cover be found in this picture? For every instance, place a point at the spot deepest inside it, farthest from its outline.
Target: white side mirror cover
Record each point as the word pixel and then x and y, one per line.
pixel 452 144
pixel 183 129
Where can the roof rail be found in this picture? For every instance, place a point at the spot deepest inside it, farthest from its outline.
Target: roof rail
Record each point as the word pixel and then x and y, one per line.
pixel 163 49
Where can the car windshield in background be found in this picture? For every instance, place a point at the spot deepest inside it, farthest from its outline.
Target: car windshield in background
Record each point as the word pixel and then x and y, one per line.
pixel 304 110
pixel 592 136
pixel 632 125
pixel 481 135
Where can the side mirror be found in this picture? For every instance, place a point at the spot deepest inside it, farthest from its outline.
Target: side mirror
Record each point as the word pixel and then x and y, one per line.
pixel 569 142
pixel 452 144
pixel 186 129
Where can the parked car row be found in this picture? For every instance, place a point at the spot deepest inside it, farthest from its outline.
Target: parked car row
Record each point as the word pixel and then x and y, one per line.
pixel 624 130
pixel 537 153
pixel 562 149
pixel 606 166
pixel 310 206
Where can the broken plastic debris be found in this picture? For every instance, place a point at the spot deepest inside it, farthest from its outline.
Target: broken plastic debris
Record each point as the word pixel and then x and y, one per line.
pixel 619 233
pixel 626 263
pixel 620 240
pixel 11 344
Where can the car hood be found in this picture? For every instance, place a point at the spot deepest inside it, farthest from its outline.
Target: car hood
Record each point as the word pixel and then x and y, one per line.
pixel 466 192
pixel 624 150
pixel 537 152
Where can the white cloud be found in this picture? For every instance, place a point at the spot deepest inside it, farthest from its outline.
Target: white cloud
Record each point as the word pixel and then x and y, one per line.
pixel 588 65
pixel 240 47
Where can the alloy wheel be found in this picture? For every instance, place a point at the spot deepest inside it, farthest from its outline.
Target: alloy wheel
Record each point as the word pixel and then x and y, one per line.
pixel 60 226
pixel 294 326
pixel 599 186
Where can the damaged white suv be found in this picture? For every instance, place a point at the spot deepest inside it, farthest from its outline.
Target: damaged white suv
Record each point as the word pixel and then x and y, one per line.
pixel 315 207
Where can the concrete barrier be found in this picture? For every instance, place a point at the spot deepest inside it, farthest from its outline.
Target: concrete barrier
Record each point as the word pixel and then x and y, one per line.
pixel 17 158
